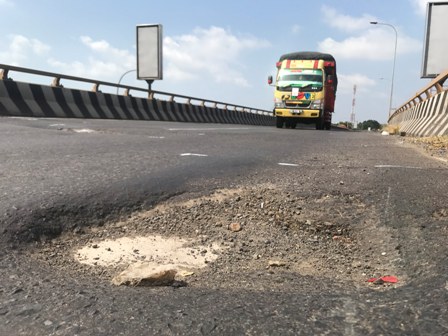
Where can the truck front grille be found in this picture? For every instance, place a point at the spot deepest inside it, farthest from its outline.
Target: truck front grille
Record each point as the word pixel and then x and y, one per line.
pixel 298 103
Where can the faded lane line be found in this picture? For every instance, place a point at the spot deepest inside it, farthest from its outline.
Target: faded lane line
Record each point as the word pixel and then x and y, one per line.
pixel 288 164
pixel 351 319
pixel 84 130
pixel 192 154
pixel 397 166
pixel 24 118
pixel 207 129
pixel 387 207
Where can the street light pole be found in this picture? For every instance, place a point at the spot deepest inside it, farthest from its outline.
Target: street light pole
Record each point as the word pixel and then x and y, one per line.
pixel 395 58
pixel 119 81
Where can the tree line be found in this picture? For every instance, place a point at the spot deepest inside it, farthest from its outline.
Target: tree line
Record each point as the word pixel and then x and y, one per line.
pixel 373 124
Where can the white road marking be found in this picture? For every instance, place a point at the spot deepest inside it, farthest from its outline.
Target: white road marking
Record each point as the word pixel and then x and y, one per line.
pixel 192 154
pixel 24 118
pixel 56 125
pixel 351 319
pixel 156 137
pixel 288 164
pixel 84 130
pixel 386 210
pixel 397 166
pixel 208 129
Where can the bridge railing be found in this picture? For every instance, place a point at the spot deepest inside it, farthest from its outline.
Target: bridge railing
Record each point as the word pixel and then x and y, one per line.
pixel 435 87
pixel 425 114
pixel 6 70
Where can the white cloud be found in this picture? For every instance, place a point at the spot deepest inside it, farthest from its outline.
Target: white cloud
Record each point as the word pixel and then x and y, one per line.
pixel 101 46
pixel 420 5
pixel 206 54
pixel 371 43
pixel 345 22
pixel 213 52
pixel 346 83
pixel 22 48
pixel 104 62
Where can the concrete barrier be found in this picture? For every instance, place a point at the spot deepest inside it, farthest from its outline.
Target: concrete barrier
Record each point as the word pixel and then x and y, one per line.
pixel 426 114
pixel 34 100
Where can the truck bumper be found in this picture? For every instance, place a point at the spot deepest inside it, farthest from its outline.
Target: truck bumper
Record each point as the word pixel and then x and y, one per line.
pixel 297 113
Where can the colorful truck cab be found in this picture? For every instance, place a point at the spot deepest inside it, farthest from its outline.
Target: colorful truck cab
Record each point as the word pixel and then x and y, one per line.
pixel 305 89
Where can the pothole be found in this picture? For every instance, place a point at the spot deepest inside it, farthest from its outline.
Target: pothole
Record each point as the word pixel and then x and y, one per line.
pixel 144 255
pixel 281 235
pixel 153 250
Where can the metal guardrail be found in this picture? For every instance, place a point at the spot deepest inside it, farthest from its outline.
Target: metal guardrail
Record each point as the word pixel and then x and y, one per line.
pixel 435 87
pixel 5 70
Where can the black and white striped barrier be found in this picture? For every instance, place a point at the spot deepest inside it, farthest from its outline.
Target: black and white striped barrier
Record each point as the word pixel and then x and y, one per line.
pixel 426 114
pixel 428 118
pixel 33 100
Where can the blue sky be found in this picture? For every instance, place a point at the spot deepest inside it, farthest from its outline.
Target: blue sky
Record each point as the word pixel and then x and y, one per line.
pixel 224 50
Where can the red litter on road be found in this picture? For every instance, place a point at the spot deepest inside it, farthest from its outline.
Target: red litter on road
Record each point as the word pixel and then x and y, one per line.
pixel 386 278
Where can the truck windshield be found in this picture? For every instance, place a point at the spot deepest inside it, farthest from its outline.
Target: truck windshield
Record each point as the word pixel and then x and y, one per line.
pixel 307 80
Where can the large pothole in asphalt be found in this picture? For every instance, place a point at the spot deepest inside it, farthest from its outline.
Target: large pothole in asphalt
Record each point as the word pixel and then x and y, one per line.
pixel 148 256
pixel 252 237
pixel 154 250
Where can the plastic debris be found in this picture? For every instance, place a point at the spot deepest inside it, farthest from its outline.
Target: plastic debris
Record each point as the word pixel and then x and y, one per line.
pixel 383 279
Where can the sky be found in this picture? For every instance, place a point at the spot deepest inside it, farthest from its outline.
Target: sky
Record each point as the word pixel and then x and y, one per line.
pixel 224 50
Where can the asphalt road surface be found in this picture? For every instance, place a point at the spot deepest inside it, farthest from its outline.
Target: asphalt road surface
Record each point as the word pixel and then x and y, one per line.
pixel 61 176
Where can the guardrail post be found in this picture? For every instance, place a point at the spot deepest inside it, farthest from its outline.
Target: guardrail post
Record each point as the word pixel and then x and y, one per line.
pixel 56 82
pixel 4 74
pixel 439 87
pixel 126 92
pixel 188 101
pixel 150 95
pixel 171 100
pixel 203 103
pixel 96 87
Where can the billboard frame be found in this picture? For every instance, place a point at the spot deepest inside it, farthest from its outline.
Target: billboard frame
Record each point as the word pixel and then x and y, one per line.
pixel 149 52
pixel 435 39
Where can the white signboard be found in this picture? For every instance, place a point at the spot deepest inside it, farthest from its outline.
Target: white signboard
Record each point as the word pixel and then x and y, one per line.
pixel 435 60
pixel 149 52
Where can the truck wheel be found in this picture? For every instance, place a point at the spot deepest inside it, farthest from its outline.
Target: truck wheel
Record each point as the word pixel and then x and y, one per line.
pixel 328 125
pixel 320 123
pixel 279 122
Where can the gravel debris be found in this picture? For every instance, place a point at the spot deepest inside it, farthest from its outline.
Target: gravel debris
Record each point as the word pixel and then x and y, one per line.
pixel 436 146
pixel 267 234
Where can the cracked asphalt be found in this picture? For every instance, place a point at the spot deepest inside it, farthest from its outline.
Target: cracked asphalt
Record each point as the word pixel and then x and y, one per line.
pixel 346 206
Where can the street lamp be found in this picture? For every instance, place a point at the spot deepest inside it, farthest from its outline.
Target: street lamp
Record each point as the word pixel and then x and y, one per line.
pixel 395 58
pixel 119 81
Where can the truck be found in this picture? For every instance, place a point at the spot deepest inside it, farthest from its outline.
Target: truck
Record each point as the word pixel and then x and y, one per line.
pixel 305 89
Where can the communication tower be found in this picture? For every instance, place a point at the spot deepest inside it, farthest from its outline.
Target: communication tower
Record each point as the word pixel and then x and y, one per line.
pixel 352 115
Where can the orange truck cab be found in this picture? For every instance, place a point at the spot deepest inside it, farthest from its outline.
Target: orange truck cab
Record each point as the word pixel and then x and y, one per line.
pixel 305 89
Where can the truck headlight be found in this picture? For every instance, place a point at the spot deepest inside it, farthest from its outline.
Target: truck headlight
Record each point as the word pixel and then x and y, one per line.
pixel 317 104
pixel 278 102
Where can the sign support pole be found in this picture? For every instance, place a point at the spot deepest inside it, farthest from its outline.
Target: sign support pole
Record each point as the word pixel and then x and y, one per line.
pixel 149 81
